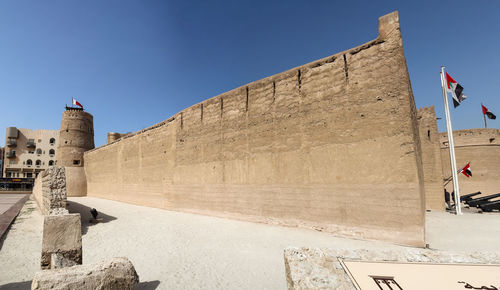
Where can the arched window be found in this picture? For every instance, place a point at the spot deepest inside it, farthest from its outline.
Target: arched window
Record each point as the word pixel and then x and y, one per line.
pixel 52 152
pixel 38 162
pixel 51 162
pixel 29 162
pixel 52 141
pixel 38 151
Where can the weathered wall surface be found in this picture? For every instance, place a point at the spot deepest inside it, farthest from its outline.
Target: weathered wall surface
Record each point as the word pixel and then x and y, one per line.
pixel 76 137
pixel 113 136
pixel 50 190
pixel 331 145
pixel 431 159
pixel 482 148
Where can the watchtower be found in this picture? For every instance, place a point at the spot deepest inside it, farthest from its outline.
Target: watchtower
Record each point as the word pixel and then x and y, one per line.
pixel 75 137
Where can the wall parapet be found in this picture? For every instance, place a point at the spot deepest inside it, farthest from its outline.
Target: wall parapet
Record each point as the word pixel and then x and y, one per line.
pixel 315 64
pixel 472 137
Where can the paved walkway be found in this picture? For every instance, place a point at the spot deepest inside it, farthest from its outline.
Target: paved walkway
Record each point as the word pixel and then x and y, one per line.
pixel 10 205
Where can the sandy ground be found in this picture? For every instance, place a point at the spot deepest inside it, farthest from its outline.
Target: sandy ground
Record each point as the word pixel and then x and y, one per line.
pixel 173 250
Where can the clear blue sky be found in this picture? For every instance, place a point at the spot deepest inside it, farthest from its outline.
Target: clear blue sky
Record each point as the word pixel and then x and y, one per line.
pixel 135 63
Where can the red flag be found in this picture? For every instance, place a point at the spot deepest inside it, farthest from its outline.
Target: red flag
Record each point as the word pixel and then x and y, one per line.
pixel 76 103
pixel 488 113
pixel 466 170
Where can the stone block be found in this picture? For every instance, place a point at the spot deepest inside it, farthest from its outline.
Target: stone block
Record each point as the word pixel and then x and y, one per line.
pixel 50 190
pixel 313 268
pixel 62 236
pixel 117 273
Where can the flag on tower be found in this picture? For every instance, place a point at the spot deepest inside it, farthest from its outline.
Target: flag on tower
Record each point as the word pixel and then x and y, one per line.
pixel 488 113
pixel 76 103
pixel 456 90
pixel 466 170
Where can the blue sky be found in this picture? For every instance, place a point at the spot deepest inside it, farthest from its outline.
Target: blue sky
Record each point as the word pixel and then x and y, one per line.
pixel 135 63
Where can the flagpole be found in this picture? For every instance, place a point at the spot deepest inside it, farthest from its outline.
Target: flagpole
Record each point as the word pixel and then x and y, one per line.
pixel 484 116
pixel 451 145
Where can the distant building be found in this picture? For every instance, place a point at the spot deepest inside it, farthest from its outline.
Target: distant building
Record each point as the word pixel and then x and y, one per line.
pixel 28 152
pixel 1 159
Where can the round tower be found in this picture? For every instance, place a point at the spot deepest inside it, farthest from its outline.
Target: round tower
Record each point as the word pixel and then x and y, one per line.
pixel 75 137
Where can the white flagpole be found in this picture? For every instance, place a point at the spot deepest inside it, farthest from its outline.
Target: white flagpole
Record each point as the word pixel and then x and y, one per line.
pixel 451 144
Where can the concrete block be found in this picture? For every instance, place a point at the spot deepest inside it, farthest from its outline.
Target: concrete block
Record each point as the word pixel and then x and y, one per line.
pixel 62 235
pixel 117 273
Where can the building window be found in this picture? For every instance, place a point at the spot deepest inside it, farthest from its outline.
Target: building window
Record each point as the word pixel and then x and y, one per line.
pixel 12 162
pixel 52 152
pixel 31 152
pixel 7 174
pixel 29 162
pixel 28 175
pixel 38 162
pixel 38 151
pixel 52 141
pixel 51 162
pixel 76 162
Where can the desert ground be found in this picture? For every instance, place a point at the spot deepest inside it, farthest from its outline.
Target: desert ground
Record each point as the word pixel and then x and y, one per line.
pixel 175 250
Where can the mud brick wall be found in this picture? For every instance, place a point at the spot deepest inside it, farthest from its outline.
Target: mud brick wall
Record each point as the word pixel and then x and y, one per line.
pixel 331 145
pixel 480 147
pixel 431 159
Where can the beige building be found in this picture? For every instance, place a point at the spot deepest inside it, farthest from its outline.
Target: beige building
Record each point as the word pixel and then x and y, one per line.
pixel 28 152
pixel 1 159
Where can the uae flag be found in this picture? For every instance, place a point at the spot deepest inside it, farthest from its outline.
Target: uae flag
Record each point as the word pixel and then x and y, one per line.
pixel 76 103
pixel 456 90
pixel 488 113
pixel 466 170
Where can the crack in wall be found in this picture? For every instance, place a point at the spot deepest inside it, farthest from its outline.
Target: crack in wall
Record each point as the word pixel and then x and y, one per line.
pixel 221 106
pixel 246 105
pixel 201 112
pixel 274 91
pixel 299 78
pixel 346 69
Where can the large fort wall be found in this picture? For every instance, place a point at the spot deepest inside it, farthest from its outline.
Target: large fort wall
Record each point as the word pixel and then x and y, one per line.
pixel 480 147
pixel 431 159
pixel 332 145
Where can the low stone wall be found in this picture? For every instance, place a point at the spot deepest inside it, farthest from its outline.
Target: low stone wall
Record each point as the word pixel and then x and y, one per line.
pixel 50 190
pixel 313 268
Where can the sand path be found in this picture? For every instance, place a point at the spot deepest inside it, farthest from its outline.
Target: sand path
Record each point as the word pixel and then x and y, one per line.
pixel 174 250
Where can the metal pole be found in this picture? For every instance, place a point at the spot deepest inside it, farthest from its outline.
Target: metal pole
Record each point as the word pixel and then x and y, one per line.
pixel 451 145
pixel 484 116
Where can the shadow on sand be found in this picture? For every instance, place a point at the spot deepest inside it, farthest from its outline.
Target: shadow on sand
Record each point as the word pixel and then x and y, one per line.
pixel 149 285
pixel 87 219
pixel 21 286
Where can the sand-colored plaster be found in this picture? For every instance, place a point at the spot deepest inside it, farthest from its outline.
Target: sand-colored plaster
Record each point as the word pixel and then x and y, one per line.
pixel 333 144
